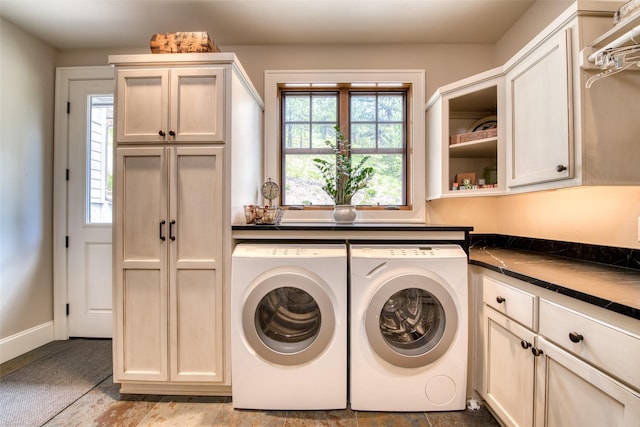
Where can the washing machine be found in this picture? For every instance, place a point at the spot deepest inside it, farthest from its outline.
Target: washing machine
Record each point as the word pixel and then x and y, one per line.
pixel 289 326
pixel 409 311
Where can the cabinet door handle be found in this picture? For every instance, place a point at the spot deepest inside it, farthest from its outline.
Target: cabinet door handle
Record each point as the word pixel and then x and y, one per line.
pixel 162 223
pixel 536 351
pixel 575 337
pixel 500 299
pixel 561 168
pixel 172 133
pixel 171 224
pixel 161 132
pixel 525 344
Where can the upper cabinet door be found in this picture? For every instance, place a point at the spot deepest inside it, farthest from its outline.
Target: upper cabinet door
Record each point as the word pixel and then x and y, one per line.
pixel 161 105
pixel 142 105
pixel 540 118
pixel 197 103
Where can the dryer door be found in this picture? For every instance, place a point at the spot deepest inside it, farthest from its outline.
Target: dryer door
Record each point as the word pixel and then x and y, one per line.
pixel 288 317
pixel 411 319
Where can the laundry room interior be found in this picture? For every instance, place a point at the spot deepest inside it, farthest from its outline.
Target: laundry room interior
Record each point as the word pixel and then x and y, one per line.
pixel 320 212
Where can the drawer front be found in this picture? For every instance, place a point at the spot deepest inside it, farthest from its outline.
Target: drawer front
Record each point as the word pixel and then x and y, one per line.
pixel 514 303
pixel 610 349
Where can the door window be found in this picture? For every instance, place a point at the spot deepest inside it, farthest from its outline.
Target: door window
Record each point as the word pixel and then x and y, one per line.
pixel 99 170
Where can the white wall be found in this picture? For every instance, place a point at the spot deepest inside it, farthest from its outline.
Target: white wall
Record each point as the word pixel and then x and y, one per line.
pixel 26 192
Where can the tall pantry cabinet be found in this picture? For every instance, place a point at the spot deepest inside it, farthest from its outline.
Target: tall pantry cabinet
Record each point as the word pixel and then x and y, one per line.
pixel 188 156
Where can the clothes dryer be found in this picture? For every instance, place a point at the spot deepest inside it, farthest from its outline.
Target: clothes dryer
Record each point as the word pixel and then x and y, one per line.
pixel 289 326
pixel 408 328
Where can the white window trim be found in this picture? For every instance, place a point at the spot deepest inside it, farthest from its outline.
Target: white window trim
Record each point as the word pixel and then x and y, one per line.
pixel 415 122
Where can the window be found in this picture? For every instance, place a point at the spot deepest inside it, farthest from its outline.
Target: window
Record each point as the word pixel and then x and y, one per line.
pixel 375 126
pixel 380 113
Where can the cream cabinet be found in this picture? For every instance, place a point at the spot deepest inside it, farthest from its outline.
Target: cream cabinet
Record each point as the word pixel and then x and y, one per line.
pixel 509 369
pixel 540 116
pixel 168 290
pixel 176 196
pixel 170 105
pixel 465 137
pixel 547 363
pixel 553 132
pixel 559 132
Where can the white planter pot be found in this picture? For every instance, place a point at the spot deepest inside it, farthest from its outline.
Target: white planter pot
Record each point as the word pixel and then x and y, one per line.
pixel 344 214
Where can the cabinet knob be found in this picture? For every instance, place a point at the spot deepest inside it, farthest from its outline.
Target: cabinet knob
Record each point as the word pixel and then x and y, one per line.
pixel 536 351
pixel 575 337
pixel 161 132
pixel 561 168
pixel 500 299
pixel 525 344
pixel 172 133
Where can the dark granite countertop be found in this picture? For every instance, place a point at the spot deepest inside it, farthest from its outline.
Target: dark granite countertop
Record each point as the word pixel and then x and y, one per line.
pixel 364 226
pixel 611 287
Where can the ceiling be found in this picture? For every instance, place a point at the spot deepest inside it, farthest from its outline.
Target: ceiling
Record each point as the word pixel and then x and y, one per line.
pixel 78 24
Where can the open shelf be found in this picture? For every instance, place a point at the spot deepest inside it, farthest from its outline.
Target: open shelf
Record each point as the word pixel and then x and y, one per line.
pixel 480 148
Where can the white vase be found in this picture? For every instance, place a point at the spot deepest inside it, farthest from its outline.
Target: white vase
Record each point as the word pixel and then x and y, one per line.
pixel 344 214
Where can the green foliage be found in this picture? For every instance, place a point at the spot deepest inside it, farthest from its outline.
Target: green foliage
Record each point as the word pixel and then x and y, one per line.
pixel 344 178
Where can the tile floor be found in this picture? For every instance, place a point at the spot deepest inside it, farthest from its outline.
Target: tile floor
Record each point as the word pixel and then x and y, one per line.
pixel 105 406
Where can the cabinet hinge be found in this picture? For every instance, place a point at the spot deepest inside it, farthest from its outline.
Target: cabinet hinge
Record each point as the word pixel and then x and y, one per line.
pixel 68 107
pixel 66 241
pixel 67 309
pixel 66 175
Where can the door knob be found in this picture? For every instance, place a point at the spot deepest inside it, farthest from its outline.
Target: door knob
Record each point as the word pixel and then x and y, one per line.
pixel 561 168
pixel 500 299
pixel 161 132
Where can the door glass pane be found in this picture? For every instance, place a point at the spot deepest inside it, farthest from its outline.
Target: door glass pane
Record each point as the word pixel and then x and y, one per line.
pixel 412 321
pixel 288 319
pixel 99 167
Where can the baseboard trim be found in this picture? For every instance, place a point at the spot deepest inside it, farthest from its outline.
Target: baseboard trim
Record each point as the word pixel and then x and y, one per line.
pixel 22 342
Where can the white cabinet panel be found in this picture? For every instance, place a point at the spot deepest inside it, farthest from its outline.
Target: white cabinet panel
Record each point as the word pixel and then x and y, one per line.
pixel 540 121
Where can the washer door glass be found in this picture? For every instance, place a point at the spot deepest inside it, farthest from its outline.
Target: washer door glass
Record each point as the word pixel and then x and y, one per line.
pixel 411 320
pixel 288 317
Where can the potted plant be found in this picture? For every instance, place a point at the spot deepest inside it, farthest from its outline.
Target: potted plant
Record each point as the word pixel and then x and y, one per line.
pixel 344 178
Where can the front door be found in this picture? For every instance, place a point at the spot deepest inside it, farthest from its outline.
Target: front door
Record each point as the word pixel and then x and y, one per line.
pixel 90 178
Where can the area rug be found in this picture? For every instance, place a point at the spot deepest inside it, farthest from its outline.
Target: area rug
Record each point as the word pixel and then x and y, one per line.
pixel 35 393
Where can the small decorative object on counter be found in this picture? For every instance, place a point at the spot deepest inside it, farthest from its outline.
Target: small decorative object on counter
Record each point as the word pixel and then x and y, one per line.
pixel 270 215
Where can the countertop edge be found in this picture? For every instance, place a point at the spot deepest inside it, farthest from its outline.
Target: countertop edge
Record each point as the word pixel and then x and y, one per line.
pixel 581 296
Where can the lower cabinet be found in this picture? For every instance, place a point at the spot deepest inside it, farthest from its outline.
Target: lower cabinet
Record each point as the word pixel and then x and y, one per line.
pixel 168 266
pixel 509 369
pixel 558 371
pixel 570 392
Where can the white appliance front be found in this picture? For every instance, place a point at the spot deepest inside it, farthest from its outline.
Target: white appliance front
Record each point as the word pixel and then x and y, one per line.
pixel 408 328
pixel 289 326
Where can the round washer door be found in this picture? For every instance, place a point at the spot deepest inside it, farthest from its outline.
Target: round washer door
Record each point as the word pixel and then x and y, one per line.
pixel 411 320
pixel 288 317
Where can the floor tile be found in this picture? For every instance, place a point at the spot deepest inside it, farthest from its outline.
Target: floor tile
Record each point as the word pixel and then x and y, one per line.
pixel 395 419
pixel 249 418
pixel 467 418
pixel 183 411
pixel 339 418
pixel 105 406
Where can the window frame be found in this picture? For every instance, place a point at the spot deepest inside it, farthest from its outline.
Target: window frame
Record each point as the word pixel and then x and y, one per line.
pixel 415 210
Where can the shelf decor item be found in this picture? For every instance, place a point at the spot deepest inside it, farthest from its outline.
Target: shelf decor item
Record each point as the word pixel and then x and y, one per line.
pixel 182 42
pixel 344 178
